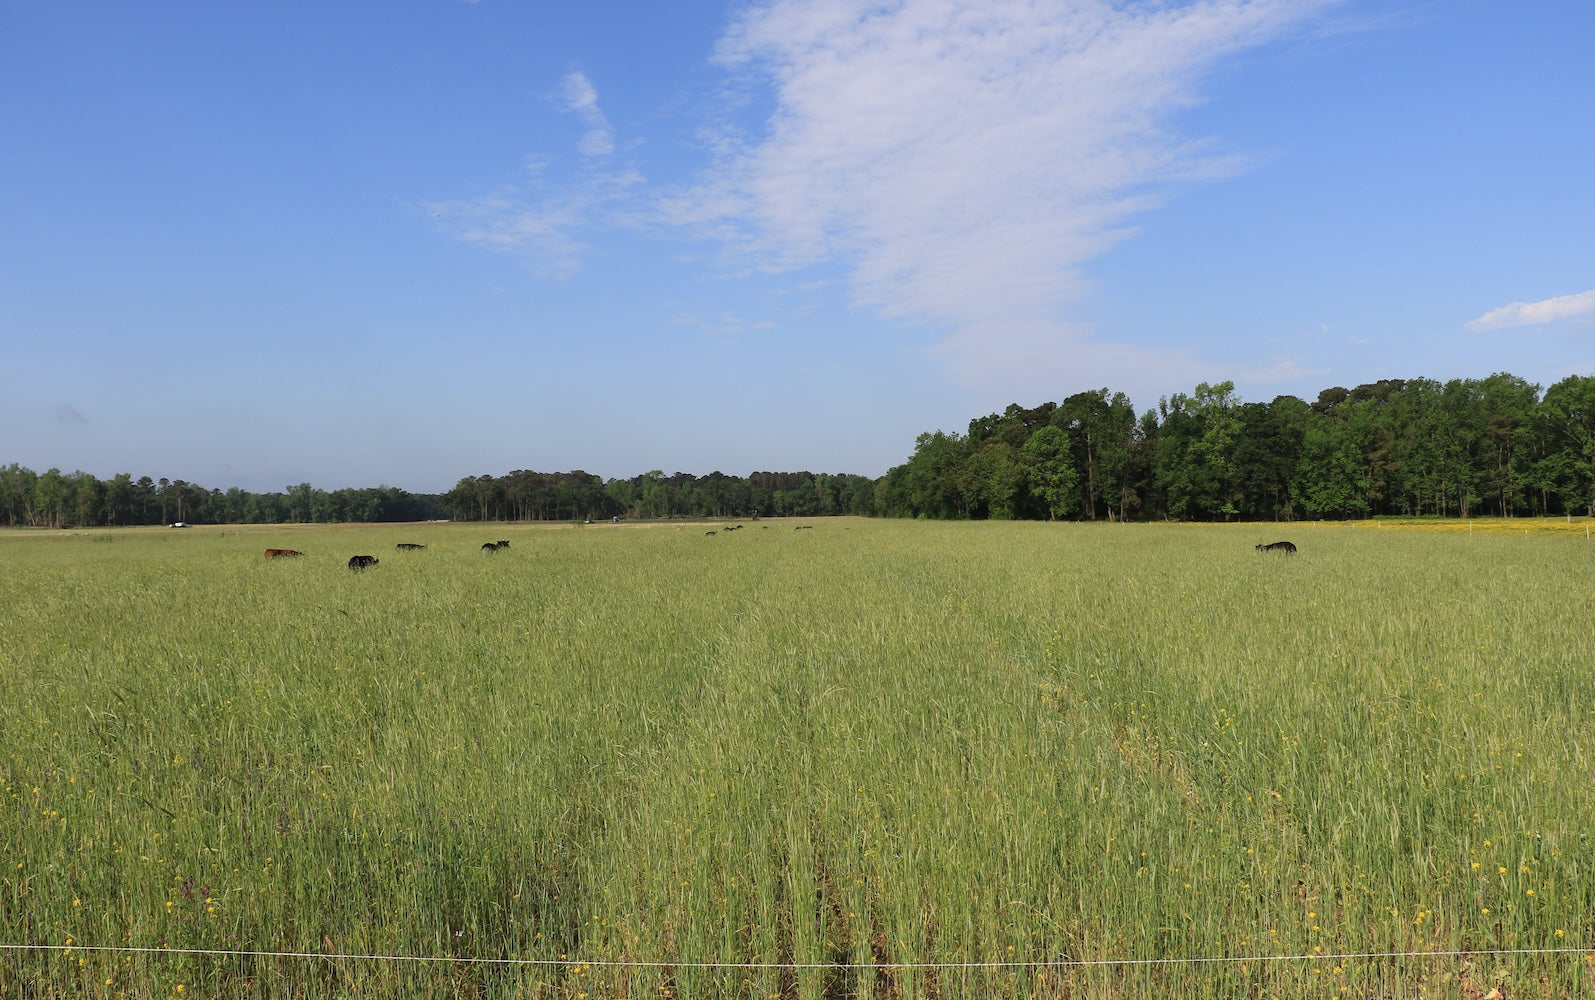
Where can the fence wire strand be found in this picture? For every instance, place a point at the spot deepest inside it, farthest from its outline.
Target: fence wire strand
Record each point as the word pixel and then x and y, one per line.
pixel 1060 963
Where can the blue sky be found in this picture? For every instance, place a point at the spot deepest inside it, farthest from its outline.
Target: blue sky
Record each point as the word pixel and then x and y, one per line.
pixel 406 242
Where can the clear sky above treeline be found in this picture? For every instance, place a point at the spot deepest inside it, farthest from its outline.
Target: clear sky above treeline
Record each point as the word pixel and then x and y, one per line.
pixel 407 242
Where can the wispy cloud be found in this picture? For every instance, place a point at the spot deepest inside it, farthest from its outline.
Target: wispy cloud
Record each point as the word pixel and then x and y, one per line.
pixel 962 159
pixel 579 96
pixel 727 325
pixel 536 220
pixel 1536 313
pixel 541 217
pixel 965 158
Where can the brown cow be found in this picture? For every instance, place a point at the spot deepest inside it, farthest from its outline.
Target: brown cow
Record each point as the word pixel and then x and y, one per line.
pixel 282 553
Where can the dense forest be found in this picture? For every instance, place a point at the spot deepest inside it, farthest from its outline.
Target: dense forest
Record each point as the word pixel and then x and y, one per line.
pixel 78 499
pixel 566 496
pixel 1463 448
pixel 59 500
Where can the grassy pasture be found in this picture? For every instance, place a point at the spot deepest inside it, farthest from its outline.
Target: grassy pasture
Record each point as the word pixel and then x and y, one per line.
pixel 882 752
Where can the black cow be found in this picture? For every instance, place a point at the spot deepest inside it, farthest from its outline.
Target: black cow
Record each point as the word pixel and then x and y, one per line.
pixel 409 547
pixel 489 546
pixel 1289 548
pixel 358 563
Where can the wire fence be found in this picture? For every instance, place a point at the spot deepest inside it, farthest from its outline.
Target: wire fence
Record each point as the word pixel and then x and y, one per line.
pixel 1058 963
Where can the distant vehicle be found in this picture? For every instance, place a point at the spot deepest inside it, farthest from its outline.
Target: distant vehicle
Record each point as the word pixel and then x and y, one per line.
pixel 181 524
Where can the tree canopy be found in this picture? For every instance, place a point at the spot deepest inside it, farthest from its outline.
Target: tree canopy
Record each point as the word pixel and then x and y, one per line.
pixel 1463 448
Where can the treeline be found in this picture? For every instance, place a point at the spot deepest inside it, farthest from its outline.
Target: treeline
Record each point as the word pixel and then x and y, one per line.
pixel 562 496
pixel 1463 448
pixel 54 499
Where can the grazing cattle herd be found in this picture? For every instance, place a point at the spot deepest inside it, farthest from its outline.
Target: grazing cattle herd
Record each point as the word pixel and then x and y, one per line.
pixel 358 563
pixel 363 562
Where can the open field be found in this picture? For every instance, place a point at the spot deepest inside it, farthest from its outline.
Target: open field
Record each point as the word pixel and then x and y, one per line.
pixel 900 759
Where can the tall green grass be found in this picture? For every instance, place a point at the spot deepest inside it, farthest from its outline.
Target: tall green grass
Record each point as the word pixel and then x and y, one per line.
pixel 877 759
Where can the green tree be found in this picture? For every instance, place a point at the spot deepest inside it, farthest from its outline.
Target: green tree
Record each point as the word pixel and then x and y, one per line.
pixel 991 479
pixel 51 495
pixel 1569 411
pixel 1508 445
pixel 931 483
pixel 1327 482
pixel 653 495
pixel 1195 452
pixel 1417 480
pixel 1101 429
pixel 1214 450
pixel 146 502
pixel 85 500
pixel 119 503
pixel 1048 463
pixel 1367 412
pixel 1267 452
pixel 301 501
pixel 1464 429
pixel 16 494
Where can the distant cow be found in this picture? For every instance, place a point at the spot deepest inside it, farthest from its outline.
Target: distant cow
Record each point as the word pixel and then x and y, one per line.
pixel 1289 548
pixel 361 562
pixel 707 533
pixel 490 546
pixel 409 547
pixel 503 543
pixel 282 553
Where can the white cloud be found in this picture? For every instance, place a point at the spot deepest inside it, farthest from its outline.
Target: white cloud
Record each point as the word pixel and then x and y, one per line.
pixel 1536 313
pixel 966 157
pixel 579 96
pixel 1006 361
pixel 541 219
pixel 539 225
pixel 727 326
pixel 963 159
